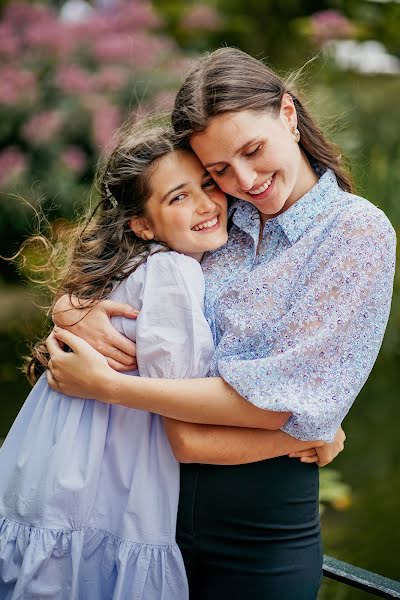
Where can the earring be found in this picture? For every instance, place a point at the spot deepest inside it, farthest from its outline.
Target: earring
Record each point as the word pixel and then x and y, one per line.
pixel 296 134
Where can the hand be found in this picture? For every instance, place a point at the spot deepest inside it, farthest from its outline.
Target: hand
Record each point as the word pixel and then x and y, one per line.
pixel 328 452
pixel 84 372
pixel 93 325
pixel 324 453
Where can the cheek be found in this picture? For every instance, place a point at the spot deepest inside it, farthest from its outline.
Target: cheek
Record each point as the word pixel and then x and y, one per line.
pixel 228 185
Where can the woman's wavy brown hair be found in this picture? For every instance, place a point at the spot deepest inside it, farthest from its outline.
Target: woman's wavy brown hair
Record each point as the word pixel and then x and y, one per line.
pixel 229 80
pixel 87 259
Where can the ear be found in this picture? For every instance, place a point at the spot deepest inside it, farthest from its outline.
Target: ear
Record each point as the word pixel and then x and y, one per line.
pixel 142 227
pixel 288 111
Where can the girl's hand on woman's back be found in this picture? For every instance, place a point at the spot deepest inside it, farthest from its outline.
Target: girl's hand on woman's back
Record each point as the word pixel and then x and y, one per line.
pixel 83 372
pixel 93 325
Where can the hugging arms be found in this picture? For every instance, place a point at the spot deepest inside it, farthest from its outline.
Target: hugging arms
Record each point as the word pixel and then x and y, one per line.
pixel 206 420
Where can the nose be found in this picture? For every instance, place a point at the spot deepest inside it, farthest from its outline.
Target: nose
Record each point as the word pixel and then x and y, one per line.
pixel 205 203
pixel 245 177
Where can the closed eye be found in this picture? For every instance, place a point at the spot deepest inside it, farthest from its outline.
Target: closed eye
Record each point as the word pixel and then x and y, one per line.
pixel 208 184
pixel 221 171
pixel 254 152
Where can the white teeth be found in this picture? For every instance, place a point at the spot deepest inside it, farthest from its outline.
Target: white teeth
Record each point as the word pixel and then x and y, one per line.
pixel 206 225
pixel 264 187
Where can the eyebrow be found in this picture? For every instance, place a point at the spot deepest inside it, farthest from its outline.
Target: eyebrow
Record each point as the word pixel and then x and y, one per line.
pixel 181 185
pixel 174 189
pixel 208 165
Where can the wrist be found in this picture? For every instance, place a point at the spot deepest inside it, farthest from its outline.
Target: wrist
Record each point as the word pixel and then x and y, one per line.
pixel 110 391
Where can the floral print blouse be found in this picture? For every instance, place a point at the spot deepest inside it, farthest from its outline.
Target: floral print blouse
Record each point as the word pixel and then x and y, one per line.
pixel 298 324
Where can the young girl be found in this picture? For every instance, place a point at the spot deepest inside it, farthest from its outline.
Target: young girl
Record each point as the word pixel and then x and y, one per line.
pixel 89 492
pixel 298 301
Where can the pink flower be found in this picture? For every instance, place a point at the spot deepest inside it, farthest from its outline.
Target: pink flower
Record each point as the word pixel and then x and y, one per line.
pixel 135 15
pixel 114 48
pixel 74 159
pixel 110 79
pixel 12 165
pixel 71 79
pixel 16 85
pixel 42 127
pixel 9 46
pixel 106 121
pixel 50 36
pixel 140 49
pixel 19 14
pixel 201 16
pixel 329 25
pixel 93 28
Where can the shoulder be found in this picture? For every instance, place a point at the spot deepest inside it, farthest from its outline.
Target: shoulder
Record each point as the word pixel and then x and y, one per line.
pixel 173 261
pixel 358 217
pixel 176 271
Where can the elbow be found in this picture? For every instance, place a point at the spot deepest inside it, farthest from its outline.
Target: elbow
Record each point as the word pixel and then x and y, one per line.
pixel 279 420
pixel 181 452
pixel 182 446
pixel 185 454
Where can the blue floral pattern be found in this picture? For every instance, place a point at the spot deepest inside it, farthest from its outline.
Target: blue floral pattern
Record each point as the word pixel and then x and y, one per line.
pixel 298 324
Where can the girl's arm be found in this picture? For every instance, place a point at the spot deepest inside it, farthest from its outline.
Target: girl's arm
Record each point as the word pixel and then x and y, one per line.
pixel 85 373
pixel 174 342
pixel 220 445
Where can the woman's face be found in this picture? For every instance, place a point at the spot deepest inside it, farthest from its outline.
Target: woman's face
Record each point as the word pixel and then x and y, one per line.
pixel 186 209
pixel 254 156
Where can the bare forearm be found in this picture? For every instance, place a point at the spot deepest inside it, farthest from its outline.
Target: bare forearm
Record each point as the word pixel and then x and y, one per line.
pixel 208 400
pixel 221 445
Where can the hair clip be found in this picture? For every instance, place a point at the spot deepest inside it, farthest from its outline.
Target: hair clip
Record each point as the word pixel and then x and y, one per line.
pixel 109 195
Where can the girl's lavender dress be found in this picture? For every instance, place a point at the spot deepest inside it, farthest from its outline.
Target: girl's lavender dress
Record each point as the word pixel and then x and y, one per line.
pixel 89 491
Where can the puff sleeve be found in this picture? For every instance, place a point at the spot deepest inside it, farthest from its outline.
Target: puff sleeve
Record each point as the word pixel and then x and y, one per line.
pixel 320 353
pixel 172 334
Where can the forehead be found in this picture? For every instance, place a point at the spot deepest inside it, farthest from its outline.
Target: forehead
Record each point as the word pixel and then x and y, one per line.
pixel 228 131
pixel 173 164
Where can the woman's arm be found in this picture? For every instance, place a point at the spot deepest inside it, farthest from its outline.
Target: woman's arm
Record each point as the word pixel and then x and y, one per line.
pixel 174 342
pixel 209 400
pixel 220 445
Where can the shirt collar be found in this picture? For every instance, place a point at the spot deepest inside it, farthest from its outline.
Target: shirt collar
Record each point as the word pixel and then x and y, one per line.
pixel 296 219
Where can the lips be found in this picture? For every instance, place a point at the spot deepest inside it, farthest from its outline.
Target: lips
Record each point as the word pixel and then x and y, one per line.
pixel 206 225
pixel 262 191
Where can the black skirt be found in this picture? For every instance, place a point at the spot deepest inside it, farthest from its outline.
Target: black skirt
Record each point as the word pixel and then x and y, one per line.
pixel 251 531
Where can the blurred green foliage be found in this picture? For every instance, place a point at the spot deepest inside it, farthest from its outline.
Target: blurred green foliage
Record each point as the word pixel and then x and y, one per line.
pixel 360 112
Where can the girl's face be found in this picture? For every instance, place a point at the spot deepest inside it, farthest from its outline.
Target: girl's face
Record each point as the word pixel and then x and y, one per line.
pixel 254 156
pixel 186 209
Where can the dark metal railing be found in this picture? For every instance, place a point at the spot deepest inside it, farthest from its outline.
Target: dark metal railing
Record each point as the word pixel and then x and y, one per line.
pixel 360 578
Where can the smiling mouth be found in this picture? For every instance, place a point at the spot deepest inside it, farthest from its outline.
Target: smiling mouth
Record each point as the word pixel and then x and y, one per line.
pixel 263 188
pixel 207 225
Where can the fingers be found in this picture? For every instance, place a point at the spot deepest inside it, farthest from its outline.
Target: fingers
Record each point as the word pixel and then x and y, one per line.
pixel 119 309
pixel 303 453
pixel 52 345
pixel 120 367
pixel 310 459
pixel 65 336
pixel 51 380
pixel 122 349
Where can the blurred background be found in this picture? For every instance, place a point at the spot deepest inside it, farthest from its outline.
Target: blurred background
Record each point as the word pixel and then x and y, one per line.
pixel 70 72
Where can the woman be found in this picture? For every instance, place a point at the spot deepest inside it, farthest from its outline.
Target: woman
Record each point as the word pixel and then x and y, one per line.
pixel 93 487
pixel 298 300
